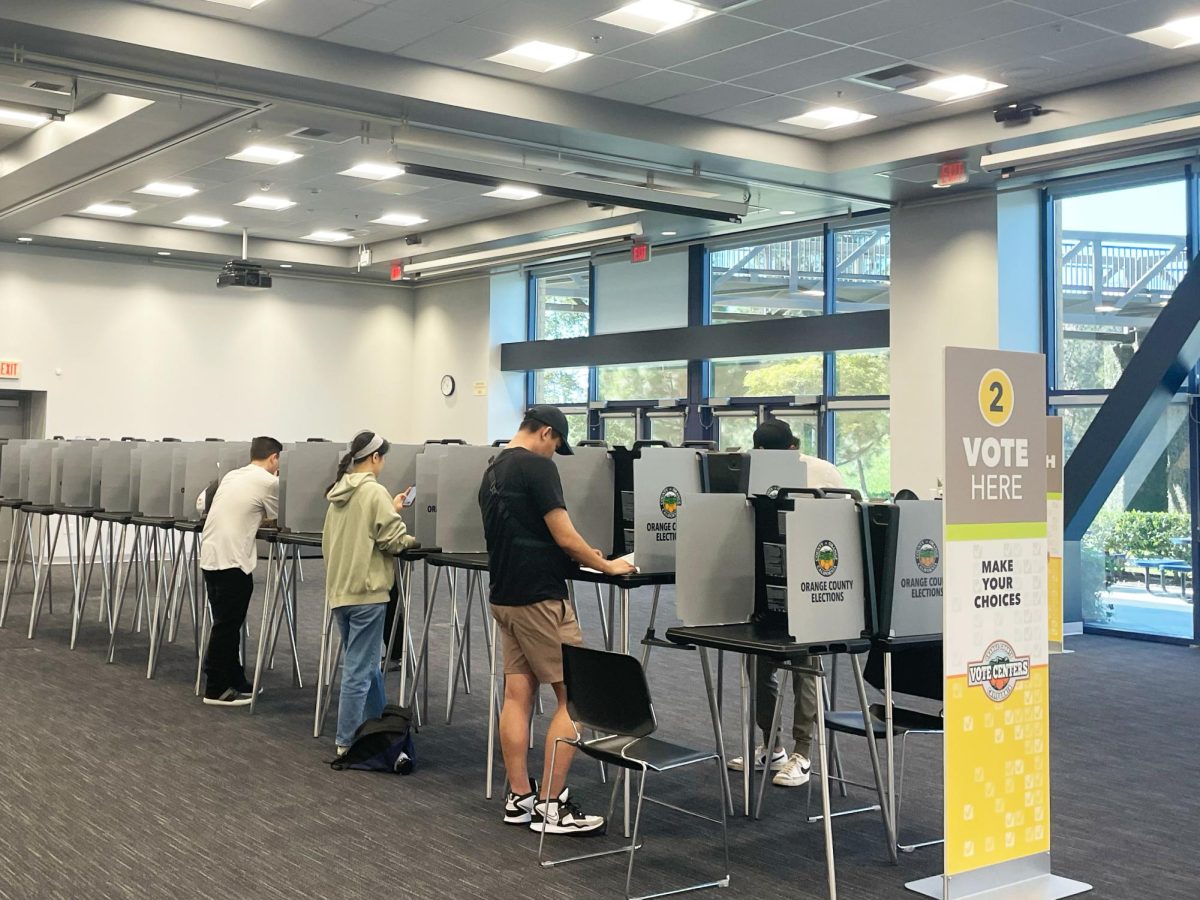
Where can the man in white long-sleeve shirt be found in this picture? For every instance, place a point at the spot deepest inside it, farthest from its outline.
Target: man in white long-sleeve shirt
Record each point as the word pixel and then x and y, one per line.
pixel 245 499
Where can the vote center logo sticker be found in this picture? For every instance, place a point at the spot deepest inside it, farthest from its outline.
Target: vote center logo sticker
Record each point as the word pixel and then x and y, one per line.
pixel 669 502
pixel 999 671
pixel 825 558
pixel 927 556
pixel 996 398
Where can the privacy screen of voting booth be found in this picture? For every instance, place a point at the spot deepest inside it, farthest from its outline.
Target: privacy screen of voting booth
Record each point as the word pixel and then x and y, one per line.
pixel 459 522
pixel 753 472
pixel 589 489
pixel 813 564
pixel 305 473
pixel 664 480
pixel 906 545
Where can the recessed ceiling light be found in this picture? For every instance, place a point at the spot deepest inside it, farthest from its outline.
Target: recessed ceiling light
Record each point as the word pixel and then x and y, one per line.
pixel 23 118
pixel 513 192
pixel 285 265
pixel 1174 35
pixel 655 16
pixel 669 233
pixel 242 4
pixel 828 117
pixel 201 222
pixel 953 87
pixel 787 212
pixel 119 210
pixel 1106 308
pixel 538 56
pixel 266 201
pixel 373 171
pixel 400 220
pixel 166 189
pixel 164 252
pixel 813 292
pixel 328 237
pixel 270 156
pixel 24 240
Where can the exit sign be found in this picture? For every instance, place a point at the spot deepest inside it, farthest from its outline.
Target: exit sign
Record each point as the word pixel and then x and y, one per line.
pixel 10 368
pixel 397 271
pixel 640 252
pixel 951 173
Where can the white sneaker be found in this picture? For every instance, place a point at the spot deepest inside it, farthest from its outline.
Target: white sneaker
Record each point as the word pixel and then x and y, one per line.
pixel 561 816
pixel 778 760
pixel 794 772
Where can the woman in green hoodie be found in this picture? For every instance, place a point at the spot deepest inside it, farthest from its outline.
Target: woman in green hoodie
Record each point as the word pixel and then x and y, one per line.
pixel 363 531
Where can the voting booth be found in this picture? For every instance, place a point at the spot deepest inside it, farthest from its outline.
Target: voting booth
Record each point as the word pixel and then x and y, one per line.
pixel 305 473
pixel 714 578
pixel 664 480
pixel 399 472
pixel 458 524
pixel 588 478
pixel 427 466
pixel 907 548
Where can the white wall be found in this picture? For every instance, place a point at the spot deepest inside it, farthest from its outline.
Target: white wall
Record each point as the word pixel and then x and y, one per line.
pixel 944 294
pixel 127 348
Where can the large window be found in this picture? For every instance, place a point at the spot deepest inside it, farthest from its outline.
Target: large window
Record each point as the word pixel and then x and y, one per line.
pixel 862 451
pixel 760 281
pixel 561 308
pixel 648 381
pixel 863 373
pixel 769 376
pixel 864 268
pixel 1120 255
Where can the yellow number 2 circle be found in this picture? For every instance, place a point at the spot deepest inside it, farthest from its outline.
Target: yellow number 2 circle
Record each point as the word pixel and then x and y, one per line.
pixel 996 397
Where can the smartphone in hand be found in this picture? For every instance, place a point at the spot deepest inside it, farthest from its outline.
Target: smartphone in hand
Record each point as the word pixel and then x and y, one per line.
pixel 409 497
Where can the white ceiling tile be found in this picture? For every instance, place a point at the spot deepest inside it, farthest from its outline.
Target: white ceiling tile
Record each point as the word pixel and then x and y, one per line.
pixel 796 14
pixel 838 93
pixel 954 31
pixel 707 36
pixel 767 53
pixel 459 45
pixel 889 17
pixel 761 112
pixel 455 10
pixel 710 100
pixel 654 87
pixel 996 52
pixel 583 35
pixel 526 18
pixel 386 30
pixel 311 18
pixel 593 74
pixel 890 104
pixel 1126 18
pixel 818 70
pixel 1115 50
pixel 1069 7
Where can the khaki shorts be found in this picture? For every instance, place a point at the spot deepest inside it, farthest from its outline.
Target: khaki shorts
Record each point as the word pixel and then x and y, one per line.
pixel 532 637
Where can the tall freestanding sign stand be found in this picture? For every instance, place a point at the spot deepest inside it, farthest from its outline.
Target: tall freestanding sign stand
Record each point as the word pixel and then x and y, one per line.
pixel 996 660
pixel 1054 531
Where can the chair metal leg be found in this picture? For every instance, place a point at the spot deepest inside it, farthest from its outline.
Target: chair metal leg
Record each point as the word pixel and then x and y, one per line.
pixel 493 715
pixel 650 627
pixel 715 711
pixel 604 631
pixel 10 569
pixel 637 821
pixel 873 749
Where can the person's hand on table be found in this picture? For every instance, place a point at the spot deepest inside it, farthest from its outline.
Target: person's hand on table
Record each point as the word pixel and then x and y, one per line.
pixel 616 567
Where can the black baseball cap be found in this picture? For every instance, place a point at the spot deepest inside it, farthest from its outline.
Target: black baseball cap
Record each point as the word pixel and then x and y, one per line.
pixel 774 434
pixel 553 416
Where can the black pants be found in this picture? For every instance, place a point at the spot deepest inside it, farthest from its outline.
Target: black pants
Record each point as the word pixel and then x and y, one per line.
pixel 229 593
pixel 393 609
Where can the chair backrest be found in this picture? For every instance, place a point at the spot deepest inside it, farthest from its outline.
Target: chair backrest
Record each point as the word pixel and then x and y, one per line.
pixel 915 671
pixel 607 691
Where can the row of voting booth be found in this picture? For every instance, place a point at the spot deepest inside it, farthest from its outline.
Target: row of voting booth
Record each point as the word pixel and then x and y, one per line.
pixel 764 567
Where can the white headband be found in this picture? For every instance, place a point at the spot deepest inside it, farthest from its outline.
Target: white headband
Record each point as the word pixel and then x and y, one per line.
pixel 372 445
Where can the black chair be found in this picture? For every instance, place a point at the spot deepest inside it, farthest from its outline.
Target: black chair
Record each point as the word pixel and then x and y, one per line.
pixel 607 692
pixel 917 673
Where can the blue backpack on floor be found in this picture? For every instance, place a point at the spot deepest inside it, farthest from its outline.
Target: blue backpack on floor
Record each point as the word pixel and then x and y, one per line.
pixel 382 745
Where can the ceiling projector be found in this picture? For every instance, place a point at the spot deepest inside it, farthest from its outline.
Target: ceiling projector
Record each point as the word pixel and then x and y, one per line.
pixel 243 273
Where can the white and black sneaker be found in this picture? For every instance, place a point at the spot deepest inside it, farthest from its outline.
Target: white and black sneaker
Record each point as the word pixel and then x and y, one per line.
pixel 231 697
pixel 561 816
pixel 795 773
pixel 778 760
pixel 518 808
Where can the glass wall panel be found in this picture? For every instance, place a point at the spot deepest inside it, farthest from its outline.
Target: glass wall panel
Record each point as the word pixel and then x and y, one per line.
pixel 620 431
pixel 1136 556
pixel 561 309
pixel 769 376
pixel 1121 253
pixel 863 280
pixel 648 381
pixel 667 428
pixel 736 431
pixel 804 427
pixel 863 373
pixel 863 453
pixel 560 385
pixel 760 281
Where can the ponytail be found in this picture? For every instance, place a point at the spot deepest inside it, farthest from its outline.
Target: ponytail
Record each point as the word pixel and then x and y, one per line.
pixel 361 442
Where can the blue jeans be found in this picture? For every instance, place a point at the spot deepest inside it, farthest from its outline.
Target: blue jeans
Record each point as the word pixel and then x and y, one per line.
pixel 362 680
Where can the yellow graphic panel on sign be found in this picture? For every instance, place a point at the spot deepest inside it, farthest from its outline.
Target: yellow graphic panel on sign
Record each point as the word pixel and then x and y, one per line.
pixel 996 400
pixel 1054 594
pixel 998 796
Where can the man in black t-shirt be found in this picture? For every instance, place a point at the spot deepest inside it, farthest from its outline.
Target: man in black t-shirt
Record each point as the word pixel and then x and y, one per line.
pixel 532 550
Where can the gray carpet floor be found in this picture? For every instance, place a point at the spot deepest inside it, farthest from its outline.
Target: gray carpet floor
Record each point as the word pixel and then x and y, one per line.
pixel 112 785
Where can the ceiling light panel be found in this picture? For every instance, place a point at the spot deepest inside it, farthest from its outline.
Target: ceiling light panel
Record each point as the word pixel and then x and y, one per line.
pixel 115 210
pixel 513 192
pixel 373 171
pixel 400 220
pixel 22 118
pixel 953 87
pixel 828 117
pixel 655 16
pixel 266 201
pixel 201 221
pixel 1174 35
pixel 167 189
pixel 538 56
pixel 328 237
pixel 240 4
pixel 268 156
